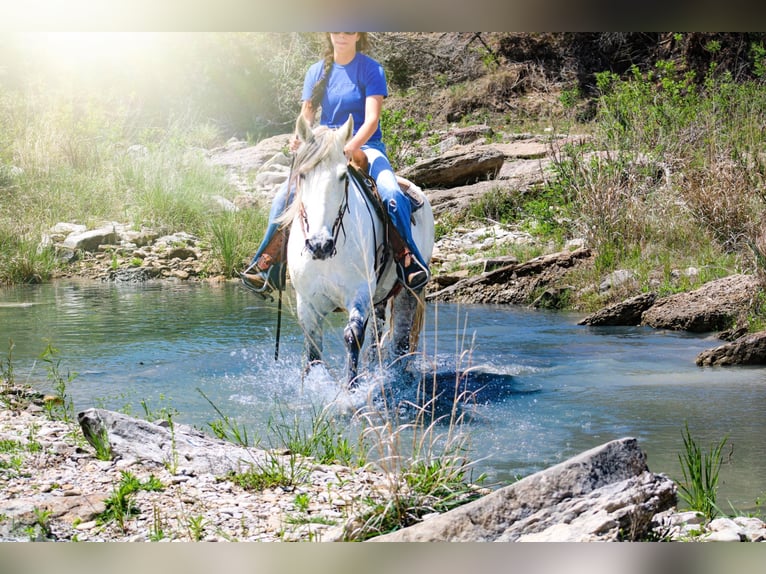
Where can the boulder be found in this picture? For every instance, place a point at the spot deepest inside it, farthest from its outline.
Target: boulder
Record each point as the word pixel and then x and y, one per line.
pixel 90 240
pixel 514 283
pixel 747 350
pixel 456 167
pixel 604 494
pixel 184 448
pixel 625 313
pixel 712 307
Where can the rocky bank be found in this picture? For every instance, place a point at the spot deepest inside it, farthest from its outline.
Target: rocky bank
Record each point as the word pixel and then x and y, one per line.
pixel 56 486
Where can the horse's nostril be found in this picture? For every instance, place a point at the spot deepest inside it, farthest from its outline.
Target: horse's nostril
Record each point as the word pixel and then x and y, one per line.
pixel 322 249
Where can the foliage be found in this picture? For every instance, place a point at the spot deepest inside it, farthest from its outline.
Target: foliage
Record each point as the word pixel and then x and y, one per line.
pixel 700 470
pixel 321 439
pixel 227 429
pixel 61 406
pixel 121 506
pixel 401 133
pixel 273 471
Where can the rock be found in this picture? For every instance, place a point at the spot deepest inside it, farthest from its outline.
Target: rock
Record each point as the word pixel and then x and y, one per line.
pixel 747 350
pixel 513 284
pixel 456 167
pixel 606 493
pixel 457 200
pixel 602 494
pixel 712 307
pixel 90 240
pixel 616 279
pixel 626 313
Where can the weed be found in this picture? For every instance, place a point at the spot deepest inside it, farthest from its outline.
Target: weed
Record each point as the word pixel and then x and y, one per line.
pixel 100 442
pixel 301 502
pixel 225 428
pixel 157 531
pixel 322 440
pixel 700 470
pixel 42 521
pixel 61 406
pixel 120 506
pixel 273 471
pixel 196 527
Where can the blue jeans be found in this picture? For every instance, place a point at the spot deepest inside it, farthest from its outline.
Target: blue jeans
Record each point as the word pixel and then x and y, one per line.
pixel 397 203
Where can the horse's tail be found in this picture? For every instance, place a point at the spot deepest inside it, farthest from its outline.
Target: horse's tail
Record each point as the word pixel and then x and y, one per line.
pixel 418 321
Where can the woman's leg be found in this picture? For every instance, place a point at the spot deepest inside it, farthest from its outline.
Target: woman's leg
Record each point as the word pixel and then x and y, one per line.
pixel 414 268
pixel 266 270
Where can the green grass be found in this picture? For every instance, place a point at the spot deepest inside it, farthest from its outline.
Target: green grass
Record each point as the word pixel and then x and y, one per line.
pixel 699 488
pixel 121 506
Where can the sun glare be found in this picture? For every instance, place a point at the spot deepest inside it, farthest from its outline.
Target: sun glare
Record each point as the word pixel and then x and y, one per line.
pixel 68 50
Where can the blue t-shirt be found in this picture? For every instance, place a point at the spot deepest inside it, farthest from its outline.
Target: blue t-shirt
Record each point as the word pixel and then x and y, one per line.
pixel 347 89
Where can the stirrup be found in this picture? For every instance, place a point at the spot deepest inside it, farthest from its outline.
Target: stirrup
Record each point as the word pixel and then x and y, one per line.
pixel 250 282
pixel 410 271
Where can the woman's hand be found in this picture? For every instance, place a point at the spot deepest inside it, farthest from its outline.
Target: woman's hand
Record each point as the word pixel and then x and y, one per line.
pixel 350 149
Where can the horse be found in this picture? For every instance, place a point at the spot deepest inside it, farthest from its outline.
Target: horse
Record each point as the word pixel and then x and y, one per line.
pixel 338 259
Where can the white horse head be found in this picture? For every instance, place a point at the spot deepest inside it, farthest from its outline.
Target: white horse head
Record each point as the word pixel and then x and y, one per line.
pixel 321 179
pixel 336 249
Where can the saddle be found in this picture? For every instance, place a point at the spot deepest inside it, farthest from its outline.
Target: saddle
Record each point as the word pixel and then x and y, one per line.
pixel 361 165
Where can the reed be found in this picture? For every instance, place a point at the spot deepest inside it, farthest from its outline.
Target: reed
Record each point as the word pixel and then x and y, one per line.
pixel 699 488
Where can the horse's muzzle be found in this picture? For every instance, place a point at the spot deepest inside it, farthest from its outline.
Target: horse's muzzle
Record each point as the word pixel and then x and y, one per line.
pixel 321 248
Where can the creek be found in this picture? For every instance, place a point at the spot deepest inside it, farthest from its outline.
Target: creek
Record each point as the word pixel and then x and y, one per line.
pixel 544 389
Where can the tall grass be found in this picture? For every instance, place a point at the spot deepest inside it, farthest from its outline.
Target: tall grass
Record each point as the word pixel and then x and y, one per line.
pixel 88 162
pixel 699 488
pixel 675 171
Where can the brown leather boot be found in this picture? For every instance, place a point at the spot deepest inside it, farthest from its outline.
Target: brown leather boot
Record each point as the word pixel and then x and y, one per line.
pixel 258 276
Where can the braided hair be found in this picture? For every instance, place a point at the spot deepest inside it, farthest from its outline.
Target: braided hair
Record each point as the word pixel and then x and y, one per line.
pixel 317 93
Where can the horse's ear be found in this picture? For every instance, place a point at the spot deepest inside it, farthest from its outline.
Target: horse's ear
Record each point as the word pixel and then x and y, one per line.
pixel 303 129
pixel 347 129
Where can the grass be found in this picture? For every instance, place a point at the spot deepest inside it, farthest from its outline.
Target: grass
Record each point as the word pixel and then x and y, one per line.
pixel 699 488
pixel 120 506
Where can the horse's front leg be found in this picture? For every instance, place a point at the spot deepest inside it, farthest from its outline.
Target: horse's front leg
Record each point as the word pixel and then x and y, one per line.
pixel 353 337
pixel 311 323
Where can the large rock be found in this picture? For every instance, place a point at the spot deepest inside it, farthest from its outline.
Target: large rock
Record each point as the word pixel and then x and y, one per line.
pixel 747 350
pixel 185 449
pixel 625 313
pixel 606 493
pixel 90 240
pixel 712 307
pixel 457 200
pixel 515 283
pixel 457 167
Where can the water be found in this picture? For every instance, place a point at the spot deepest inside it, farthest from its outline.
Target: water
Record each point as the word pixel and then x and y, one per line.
pixel 546 388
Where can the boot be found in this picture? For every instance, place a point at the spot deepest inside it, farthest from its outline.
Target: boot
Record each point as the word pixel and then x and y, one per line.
pixel 409 270
pixel 267 271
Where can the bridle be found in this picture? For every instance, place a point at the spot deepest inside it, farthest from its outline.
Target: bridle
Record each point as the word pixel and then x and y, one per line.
pixel 337 224
pixel 382 254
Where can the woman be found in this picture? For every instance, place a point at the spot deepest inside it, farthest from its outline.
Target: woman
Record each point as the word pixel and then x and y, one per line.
pixel 346 81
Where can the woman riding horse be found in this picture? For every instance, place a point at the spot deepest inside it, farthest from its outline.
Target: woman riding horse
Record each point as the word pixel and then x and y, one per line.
pixel 346 81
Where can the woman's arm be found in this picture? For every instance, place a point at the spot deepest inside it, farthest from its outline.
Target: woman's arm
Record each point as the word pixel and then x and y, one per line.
pixel 372 108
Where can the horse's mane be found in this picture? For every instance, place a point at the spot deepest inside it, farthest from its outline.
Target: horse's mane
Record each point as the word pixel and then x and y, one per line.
pixel 308 156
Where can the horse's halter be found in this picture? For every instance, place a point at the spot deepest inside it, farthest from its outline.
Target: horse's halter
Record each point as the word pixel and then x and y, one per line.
pixel 337 224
